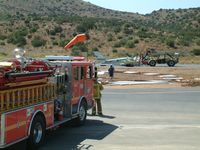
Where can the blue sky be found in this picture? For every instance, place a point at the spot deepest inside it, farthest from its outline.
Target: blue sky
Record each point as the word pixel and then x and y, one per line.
pixel 145 6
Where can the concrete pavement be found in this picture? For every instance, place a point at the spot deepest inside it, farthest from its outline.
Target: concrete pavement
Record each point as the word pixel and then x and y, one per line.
pixel 137 119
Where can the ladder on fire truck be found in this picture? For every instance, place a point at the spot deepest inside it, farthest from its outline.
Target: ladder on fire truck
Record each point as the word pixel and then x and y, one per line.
pixel 20 97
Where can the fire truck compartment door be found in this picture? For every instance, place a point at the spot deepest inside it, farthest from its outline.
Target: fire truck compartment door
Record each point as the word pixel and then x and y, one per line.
pixel 77 86
pixel 16 125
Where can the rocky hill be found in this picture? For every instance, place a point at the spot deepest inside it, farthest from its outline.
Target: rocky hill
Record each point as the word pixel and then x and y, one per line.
pixel 45 26
pixel 61 7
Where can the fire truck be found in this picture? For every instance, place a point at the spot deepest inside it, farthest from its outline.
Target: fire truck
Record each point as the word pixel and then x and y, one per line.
pixel 37 95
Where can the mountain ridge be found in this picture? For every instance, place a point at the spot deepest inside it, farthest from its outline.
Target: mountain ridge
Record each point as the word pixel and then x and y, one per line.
pixel 54 22
pixel 62 7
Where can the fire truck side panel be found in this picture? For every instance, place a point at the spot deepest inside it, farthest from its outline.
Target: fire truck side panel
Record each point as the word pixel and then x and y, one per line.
pixel 11 127
pixel 49 114
pixel 48 110
pixel 89 86
pixel 75 84
pixel 82 85
pixel 75 88
pixel 22 123
pixel 18 123
pixel 2 130
pixel 89 93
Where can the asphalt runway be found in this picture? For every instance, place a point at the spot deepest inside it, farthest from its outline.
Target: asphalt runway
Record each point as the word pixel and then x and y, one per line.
pixel 137 119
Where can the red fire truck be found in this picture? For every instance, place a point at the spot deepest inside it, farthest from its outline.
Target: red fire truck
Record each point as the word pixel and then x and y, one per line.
pixel 37 95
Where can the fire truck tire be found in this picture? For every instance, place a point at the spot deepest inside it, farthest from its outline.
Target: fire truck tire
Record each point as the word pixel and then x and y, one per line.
pixel 37 133
pixel 80 120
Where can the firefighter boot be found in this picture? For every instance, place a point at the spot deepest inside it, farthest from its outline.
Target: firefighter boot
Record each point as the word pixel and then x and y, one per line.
pixel 99 107
pixel 94 111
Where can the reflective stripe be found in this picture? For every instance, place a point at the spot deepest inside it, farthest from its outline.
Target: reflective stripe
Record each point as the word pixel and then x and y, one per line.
pixel 14 126
pixel 2 129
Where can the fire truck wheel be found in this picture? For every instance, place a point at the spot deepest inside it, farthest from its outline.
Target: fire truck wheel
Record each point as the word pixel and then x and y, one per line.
pixel 80 120
pixel 37 133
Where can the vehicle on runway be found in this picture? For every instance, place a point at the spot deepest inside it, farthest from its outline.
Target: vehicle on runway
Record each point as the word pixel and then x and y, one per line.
pixel 153 57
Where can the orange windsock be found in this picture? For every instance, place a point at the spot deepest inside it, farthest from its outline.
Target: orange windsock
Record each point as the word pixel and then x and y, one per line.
pixel 77 39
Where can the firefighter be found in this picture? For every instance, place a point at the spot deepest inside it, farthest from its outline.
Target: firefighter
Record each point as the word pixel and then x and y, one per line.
pixel 97 88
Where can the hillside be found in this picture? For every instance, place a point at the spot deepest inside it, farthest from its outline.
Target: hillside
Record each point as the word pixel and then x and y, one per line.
pixel 45 26
pixel 61 7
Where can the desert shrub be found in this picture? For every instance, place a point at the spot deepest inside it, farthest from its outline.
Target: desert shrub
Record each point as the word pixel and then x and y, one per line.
pixel 33 30
pixel 117 44
pixel 143 34
pixel 58 29
pixel 120 43
pixel 3 54
pixel 38 41
pixel 63 42
pixel 22 32
pixel 52 32
pixel 127 29
pixel 62 35
pixel 55 43
pixel 170 43
pixel 196 52
pixel 185 43
pixel 79 47
pixel 85 26
pixel 18 37
pixel 29 36
pixel 136 41
pixel 114 51
pixel 17 40
pixel 75 52
pixel 2 43
pixel 117 29
pixel 2 37
pixel 198 42
pixel 5 17
pixel 95 49
pixel 119 37
pixel 110 37
pixel 21 41
pixel 130 44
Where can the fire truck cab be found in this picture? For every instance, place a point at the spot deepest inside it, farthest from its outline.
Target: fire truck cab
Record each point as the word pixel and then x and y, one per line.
pixel 33 101
pixel 74 82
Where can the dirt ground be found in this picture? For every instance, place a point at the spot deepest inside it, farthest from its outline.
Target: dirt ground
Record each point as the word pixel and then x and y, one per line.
pixel 182 76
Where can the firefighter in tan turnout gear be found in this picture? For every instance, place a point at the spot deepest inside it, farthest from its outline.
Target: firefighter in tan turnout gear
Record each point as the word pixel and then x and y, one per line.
pixel 97 88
